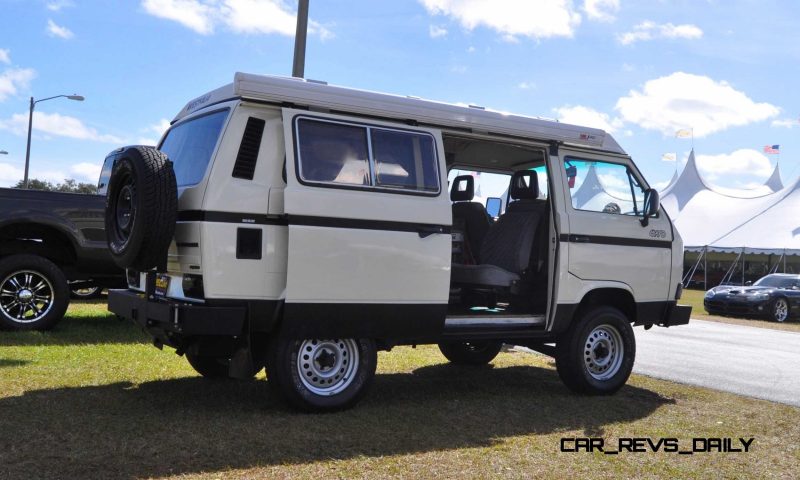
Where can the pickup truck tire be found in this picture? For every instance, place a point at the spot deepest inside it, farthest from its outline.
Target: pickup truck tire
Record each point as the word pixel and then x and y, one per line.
pixel 141 208
pixel 471 353
pixel 209 367
pixel 34 293
pixel 595 356
pixel 321 375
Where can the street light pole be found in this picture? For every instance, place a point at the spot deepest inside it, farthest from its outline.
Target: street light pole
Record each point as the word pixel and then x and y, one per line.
pixel 299 64
pixel 75 97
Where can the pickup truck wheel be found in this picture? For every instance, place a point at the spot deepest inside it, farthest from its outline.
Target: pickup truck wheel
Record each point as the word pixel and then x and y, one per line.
pixel 141 208
pixel 321 375
pixel 595 356
pixel 209 367
pixel 86 293
pixel 471 353
pixel 34 293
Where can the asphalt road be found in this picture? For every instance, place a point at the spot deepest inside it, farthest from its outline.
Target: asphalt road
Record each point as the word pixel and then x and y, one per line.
pixel 752 361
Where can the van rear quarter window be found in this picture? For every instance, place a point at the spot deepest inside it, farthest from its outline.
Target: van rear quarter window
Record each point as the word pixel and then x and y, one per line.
pixel 190 145
pixel 333 152
pixel 404 160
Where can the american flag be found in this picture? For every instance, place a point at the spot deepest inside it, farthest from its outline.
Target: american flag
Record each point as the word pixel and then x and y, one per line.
pixel 772 149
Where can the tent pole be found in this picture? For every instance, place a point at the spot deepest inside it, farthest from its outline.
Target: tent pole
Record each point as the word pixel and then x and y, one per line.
pixel 743 266
pixel 784 260
pixel 705 267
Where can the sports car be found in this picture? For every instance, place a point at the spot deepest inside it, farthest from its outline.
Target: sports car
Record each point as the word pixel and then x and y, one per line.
pixel 775 296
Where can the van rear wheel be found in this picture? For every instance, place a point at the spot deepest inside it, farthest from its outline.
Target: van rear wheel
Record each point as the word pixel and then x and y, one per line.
pixel 471 353
pixel 321 375
pixel 595 356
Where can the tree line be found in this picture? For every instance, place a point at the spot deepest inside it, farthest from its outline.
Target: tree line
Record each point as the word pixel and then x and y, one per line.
pixel 69 185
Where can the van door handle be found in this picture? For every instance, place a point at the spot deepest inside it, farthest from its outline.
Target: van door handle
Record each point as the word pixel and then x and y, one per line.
pixel 427 231
pixel 579 239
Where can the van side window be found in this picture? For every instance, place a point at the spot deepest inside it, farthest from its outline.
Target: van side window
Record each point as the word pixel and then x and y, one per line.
pixel 333 152
pixel 606 187
pixel 362 155
pixel 404 160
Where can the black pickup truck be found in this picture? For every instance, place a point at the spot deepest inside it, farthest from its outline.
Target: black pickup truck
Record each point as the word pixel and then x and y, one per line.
pixel 51 245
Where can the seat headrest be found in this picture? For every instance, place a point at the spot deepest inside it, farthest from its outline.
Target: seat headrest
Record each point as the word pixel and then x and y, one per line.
pixel 524 185
pixel 463 189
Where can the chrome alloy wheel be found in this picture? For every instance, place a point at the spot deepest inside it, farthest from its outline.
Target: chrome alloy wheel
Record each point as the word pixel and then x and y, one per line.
pixel 326 367
pixel 603 352
pixel 25 296
pixel 780 311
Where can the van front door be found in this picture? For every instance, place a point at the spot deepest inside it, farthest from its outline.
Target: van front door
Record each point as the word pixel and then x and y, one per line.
pixel 369 228
pixel 606 240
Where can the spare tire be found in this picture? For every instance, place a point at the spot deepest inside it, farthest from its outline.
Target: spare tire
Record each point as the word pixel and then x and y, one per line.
pixel 141 208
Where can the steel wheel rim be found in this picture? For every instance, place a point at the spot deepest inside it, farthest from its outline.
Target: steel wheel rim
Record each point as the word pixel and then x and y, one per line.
pixel 125 210
pixel 781 310
pixel 603 352
pixel 327 367
pixel 26 296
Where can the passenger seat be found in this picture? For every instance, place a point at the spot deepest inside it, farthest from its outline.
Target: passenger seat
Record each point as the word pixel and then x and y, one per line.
pixel 506 250
pixel 468 216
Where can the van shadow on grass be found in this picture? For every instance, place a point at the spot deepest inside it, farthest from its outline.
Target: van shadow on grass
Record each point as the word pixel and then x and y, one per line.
pixel 190 425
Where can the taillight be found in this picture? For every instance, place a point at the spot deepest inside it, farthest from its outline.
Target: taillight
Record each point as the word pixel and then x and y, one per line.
pixel 193 286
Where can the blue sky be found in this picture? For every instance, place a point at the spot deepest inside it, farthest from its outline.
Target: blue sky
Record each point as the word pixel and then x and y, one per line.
pixel 727 69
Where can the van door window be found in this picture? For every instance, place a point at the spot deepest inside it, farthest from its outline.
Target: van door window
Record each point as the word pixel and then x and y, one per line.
pixel 333 152
pixel 366 156
pixel 606 187
pixel 404 160
pixel 190 145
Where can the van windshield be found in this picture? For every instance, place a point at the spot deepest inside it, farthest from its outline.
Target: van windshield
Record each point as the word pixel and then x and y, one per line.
pixel 190 144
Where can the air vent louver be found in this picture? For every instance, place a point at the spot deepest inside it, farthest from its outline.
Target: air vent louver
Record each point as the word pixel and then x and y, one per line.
pixel 245 165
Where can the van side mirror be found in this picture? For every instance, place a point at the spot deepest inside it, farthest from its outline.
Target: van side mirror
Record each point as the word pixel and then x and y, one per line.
pixel 651 205
pixel 493 206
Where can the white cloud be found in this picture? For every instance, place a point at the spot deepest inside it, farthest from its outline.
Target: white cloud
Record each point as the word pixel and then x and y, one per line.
pixel 436 31
pixel 10 174
pixel 56 124
pixel 745 160
pixel 649 30
pixel 13 80
pixel 58 31
pixel 511 18
pixel 601 10
pixel 471 49
pixel 241 16
pixel 157 129
pixel 57 5
pixel 5 56
pixel 682 100
pixel 587 117
pixel 86 171
pixel 189 13
pixel 786 122
pixel 459 69
pixel 526 85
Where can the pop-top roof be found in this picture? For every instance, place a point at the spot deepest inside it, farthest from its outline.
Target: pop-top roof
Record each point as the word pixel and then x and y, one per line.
pixel 301 92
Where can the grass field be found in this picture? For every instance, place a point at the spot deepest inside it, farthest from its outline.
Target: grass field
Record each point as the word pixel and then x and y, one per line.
pixel 92 399
pixel 695 299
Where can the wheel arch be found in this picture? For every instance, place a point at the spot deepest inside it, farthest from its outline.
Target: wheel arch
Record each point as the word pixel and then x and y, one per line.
pixel 36 238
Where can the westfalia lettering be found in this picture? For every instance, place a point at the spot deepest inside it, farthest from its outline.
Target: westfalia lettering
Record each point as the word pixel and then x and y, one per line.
pixel 667 445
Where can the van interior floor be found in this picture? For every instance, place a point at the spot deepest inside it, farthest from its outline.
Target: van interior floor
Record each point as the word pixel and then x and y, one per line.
pixel 464 319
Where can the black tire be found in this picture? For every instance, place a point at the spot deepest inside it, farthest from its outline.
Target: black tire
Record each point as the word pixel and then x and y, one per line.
pixel 595 356
pixel 141 208
pixel 209 367
pixel 347 381
pixel 471 353
pixel 86 293
pixel 779 310
pixel 34 294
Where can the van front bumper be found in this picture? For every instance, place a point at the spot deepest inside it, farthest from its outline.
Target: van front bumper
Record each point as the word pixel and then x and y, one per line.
pixel 168 321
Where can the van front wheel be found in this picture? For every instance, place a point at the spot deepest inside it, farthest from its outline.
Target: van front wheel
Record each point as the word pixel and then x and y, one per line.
pixel 595 356
pixel 321 375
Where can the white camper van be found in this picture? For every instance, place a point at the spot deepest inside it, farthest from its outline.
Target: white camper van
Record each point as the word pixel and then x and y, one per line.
pixel 293 225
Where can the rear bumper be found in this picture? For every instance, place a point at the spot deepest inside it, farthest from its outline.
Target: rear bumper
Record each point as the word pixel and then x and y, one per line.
pixel 676 315
pixel 168 321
